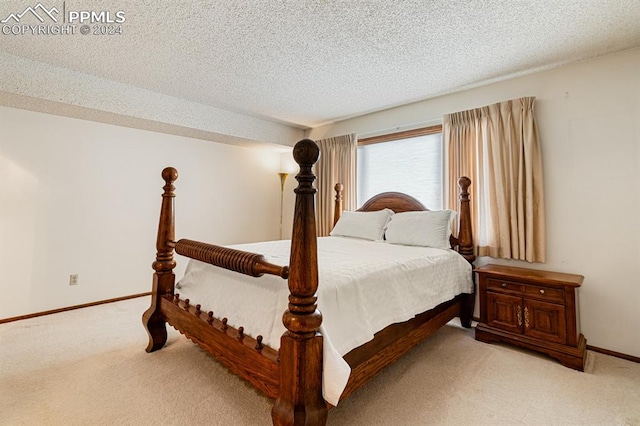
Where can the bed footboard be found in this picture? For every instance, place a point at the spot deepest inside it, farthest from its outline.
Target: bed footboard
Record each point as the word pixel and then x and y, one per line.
pixel 155 318
pixel 295 376
pixel 242 354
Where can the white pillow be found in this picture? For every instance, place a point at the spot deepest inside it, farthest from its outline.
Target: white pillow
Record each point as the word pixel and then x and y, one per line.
pixel 424 228
pixel 365 225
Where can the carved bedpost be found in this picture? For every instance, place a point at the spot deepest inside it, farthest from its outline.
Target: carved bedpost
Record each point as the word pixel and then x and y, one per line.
pixel 163 278
pixel 465 248
pixel 465 233
pixel 300 400
pixel 337 209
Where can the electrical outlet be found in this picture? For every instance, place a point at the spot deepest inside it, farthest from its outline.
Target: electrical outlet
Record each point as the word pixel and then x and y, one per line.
pixel 73 279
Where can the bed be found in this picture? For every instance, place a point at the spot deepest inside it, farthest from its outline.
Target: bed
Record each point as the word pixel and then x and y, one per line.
pixel 296 372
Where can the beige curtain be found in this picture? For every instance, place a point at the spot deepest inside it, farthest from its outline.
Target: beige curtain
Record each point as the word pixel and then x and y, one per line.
pixel 497 147
pixel 337 164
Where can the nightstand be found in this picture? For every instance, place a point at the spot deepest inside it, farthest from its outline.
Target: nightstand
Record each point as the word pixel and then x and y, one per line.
pixel 534 309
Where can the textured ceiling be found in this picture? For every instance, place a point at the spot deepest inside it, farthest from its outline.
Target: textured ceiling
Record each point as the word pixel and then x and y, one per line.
pixel 306 63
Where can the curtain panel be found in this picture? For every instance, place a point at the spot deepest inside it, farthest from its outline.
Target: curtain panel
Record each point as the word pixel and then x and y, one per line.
pixel 337 164
pixel 497 147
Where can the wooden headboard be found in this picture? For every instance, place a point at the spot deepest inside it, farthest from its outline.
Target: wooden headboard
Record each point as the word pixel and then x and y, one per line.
pixel 396 201
pixel 399 202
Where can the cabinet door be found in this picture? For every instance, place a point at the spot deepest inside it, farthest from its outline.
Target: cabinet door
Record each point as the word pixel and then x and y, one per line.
pixel 544 320
pixel 504 312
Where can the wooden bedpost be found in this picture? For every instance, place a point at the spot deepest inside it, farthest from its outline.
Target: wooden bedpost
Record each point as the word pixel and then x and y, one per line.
pixel 337 209
pixel 465 247
pixel 300 400
pixel 163 278
pixel 465 233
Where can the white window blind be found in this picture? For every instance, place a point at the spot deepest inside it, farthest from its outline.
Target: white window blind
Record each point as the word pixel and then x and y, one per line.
pixel 412 166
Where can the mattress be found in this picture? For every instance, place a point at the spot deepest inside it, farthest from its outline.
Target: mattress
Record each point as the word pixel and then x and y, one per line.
pixel 364 286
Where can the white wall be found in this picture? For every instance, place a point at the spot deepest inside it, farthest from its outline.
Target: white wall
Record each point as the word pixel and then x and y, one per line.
pixel 589 122
pixel 79 197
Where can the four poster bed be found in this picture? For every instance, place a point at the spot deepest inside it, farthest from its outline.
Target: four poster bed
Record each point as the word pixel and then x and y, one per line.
pixel 307 363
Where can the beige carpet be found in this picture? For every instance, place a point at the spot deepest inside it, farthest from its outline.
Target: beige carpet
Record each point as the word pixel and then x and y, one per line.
pixel 89 367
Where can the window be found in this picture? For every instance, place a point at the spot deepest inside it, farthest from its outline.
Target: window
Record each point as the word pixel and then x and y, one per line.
pixel 409 162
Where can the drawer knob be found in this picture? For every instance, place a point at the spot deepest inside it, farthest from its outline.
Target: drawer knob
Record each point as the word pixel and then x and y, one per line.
pixel 541 291
pixel 504 285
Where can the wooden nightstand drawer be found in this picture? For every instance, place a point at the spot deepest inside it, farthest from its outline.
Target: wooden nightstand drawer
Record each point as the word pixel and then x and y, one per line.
pixel 544 293
pixel 504 286
pixel 533 291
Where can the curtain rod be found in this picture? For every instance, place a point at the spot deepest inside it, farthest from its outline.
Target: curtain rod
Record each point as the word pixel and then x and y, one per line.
pixel 400 128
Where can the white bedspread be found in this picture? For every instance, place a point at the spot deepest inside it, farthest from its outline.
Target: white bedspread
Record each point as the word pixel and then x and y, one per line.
pixel 364 287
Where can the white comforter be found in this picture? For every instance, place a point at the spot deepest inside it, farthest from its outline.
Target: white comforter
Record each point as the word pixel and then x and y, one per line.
pixel 364 287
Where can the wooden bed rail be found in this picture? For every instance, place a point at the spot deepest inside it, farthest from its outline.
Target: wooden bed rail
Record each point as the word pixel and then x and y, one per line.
pixel 244 262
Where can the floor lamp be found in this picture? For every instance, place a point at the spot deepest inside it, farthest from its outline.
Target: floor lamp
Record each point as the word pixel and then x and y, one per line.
pixel 287 167
pixel 283 179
